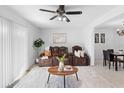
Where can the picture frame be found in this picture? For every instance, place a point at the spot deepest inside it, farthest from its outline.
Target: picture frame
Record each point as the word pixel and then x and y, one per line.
pixel 59 37
pixel 96 37
pixel 102 37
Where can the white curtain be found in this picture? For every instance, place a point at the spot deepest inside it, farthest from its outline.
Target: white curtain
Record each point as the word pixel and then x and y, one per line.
pixel 1 54
pixel 7 28
pixel 20 51
pixel 13 51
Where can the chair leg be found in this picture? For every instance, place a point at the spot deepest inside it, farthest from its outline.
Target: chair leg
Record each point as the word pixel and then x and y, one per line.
pixel 119 64
pixel 113 63
pixel 105 63
pixel 109 64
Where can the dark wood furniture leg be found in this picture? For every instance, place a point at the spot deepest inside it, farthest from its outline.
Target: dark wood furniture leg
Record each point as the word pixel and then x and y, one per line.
pixel 64 81
pixel 105 62
pixel 116 64
pixel 119 64
pixel 109 64
pixel 77 77
pixel 113 63
pixel 48 78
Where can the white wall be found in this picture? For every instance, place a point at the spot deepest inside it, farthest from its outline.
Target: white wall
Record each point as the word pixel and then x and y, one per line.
pixel 112 41
pixel 1 55
pixel 18 52
pixel 74 36
pixel 32 53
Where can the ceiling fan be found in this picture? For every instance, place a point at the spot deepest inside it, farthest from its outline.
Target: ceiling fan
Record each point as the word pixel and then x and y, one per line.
pixel 60 13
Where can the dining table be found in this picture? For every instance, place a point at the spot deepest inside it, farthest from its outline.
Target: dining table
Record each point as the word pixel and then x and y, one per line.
pixel 116 55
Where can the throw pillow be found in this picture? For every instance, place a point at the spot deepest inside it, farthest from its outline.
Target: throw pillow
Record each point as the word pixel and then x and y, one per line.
pixel 77 53
pixel 47 53
pixel 82 53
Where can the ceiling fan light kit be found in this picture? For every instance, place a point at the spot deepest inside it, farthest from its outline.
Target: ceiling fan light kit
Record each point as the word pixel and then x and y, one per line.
pixel 61 13
pixel 62 18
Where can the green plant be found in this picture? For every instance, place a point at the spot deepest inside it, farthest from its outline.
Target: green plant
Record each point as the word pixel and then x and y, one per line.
pixel 61 58
pixel 38 42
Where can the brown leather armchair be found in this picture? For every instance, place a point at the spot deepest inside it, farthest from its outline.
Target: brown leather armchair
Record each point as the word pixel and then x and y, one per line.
pixel 59 51
pixel 63 50
pixel 54 51
pixel 79 61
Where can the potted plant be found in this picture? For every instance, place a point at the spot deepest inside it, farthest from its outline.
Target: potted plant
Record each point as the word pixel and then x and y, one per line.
pixel 61 60
pixel 38 43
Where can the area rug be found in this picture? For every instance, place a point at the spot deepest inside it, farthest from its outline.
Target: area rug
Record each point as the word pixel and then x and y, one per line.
pixel 89 77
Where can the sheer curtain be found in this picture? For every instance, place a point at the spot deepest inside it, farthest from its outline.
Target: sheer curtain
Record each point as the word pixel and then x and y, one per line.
pixel 20 38
pixel 13 51
pixel 1 54
pixel 7 63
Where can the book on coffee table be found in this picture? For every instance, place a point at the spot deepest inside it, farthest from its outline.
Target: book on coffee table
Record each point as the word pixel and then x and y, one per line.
pixel 68 68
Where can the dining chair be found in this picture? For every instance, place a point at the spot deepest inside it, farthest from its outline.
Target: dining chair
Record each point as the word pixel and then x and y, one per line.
pixel 104 57
pixel 107 57
pixel 111 56
pixel 110 50
pixel 119 59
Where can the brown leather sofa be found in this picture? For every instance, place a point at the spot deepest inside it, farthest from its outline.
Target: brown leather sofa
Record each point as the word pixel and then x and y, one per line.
pixel 79 61
pixel 59 51
pixel 71 59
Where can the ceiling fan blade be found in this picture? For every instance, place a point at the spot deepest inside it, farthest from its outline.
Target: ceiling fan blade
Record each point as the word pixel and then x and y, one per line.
pixel 67 19
pixel 73 12
pixel 47 10
pixel 53 17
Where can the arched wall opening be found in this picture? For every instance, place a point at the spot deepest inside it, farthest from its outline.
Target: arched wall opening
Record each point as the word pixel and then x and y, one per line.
pixel 107 25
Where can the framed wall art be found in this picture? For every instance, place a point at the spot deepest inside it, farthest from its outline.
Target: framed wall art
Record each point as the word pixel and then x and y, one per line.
pixel 96 37
pixel 102 37
pixel 59 37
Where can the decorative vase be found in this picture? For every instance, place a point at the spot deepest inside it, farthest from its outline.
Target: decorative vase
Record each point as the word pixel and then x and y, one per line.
pixel 61 66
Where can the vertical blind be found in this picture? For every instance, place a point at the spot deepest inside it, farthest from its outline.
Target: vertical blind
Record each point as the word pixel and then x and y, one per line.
pixel 7 57
pixel 13 51
pixel 1 54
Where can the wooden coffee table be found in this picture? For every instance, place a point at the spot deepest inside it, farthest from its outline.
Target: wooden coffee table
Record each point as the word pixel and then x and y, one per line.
pixel 54 71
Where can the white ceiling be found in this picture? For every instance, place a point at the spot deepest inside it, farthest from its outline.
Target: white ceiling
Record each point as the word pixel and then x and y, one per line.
pixel 41 19
pixel 117 21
